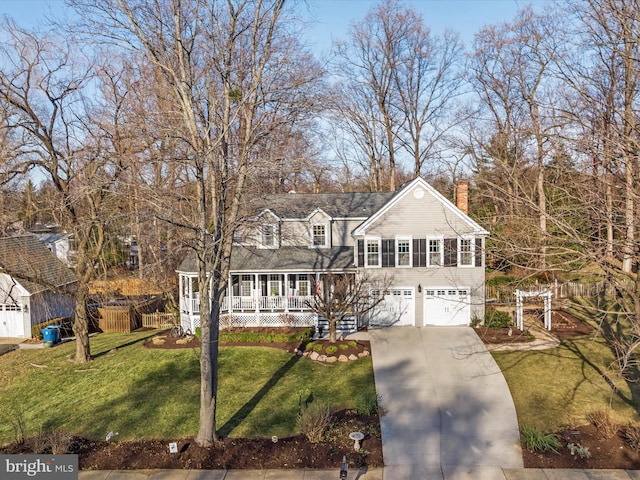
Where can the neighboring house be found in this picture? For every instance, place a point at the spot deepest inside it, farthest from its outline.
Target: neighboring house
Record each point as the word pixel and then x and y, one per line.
pixel 33 283
pixel 62 245
pixel 429 250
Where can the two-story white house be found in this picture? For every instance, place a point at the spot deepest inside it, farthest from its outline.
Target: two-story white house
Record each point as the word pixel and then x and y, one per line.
pixel 428 250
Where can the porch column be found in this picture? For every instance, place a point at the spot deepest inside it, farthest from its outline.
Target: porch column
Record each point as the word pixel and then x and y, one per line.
pixel 286 293
pixel 519 319
pixel 181 290
pixel 230 294
pixel 256 292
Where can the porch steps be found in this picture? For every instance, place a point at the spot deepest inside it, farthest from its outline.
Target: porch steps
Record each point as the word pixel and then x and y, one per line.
pixel 349 325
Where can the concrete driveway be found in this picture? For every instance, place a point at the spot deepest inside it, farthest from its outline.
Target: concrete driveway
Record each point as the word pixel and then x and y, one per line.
pixel 447 410
pixel 8 343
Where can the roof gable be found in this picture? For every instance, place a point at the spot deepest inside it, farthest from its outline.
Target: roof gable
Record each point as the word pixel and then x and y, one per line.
pixel 419 187
pixel 28 260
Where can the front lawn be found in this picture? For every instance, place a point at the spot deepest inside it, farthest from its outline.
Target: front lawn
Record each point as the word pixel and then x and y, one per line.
pixel 147 393
pixel 556 388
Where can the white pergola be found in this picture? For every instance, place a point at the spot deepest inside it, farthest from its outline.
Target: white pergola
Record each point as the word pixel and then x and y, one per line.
pixel 520 295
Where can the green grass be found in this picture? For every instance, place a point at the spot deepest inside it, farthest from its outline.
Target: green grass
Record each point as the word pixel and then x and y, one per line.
pixel 154 393
pixel 558 387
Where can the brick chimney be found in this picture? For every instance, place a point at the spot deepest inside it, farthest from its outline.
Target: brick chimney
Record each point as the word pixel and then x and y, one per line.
pixel 462 196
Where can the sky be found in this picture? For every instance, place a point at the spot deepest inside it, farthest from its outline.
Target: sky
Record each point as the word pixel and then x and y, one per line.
pixel 330 19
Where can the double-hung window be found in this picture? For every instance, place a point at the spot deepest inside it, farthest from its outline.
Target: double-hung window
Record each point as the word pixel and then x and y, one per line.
pixel 246 286
pixel 465 252
pixel 435 252
pixel 268 236
pixel 304 286
pixel 372 252
pixel 403 252
pixel 319 234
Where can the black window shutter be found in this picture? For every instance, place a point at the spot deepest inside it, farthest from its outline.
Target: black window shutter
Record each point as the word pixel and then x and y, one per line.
pixel 479 252
pixel 450 252
pixel 388 253
pixel 361 253
pixel 419 252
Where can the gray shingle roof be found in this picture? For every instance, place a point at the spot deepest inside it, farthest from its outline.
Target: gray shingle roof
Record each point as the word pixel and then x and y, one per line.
pixel 340 205
pixel 249 259
pixel 28 260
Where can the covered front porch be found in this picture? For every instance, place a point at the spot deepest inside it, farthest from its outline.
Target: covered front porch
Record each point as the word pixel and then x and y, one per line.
pixel 259 299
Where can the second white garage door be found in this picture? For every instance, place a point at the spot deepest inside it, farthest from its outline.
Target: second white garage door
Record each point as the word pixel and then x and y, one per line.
pixel 447 306
pixel 397 308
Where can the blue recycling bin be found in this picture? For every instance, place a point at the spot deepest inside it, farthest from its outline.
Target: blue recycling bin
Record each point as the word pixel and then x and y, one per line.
pixel 51 335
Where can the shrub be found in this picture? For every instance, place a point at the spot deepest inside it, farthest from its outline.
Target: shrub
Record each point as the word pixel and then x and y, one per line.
pixel 344 347
pixel 199 333
pixel 536 441
pixel 631 436
pixel 59 442
pixel 253 337
pixel 331 349
pixel 352 344
pixel 579 450
pixel 497 319
pixel 314 419
pixel 604 423
pixel 317 347
pixel 367 403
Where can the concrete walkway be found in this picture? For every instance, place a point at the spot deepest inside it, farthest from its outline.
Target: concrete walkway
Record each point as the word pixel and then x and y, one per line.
pixel 446 406
pixel 373 474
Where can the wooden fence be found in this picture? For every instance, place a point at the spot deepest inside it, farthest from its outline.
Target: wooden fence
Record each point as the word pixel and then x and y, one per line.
pixel 126 318
pixel 160 320
pixel 117 319
pixel 506 293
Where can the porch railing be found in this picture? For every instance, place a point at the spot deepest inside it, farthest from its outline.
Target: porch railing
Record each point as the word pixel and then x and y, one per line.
pixel 265 303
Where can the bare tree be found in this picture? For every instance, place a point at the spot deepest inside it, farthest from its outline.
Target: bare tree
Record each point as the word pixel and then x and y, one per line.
pixel 42 86
pixel 397 90
pixel 227 69
pixel 511 73
pixel 339 296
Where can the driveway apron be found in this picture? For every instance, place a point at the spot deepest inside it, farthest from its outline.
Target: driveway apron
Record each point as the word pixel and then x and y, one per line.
pixel 445 403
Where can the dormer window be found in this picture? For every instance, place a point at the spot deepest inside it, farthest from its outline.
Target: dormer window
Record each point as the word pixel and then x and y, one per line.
pixel 319 235
pixel 268 236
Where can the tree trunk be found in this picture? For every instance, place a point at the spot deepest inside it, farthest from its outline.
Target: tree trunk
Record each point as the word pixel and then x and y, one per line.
pixel 81 325
pixel 333 330
pixel 209 378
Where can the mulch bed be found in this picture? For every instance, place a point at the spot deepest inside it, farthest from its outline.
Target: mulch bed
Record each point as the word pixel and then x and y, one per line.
pixel 493 336
pixel 345 347
pixel 563 325
pixel 605 452
pixel 234 453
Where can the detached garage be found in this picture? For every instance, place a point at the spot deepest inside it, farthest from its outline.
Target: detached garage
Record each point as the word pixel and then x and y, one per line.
pixel 25 303
pixel 447 306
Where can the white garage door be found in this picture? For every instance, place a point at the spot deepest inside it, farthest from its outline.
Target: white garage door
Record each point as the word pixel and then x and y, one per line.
pixel 447 306
pixel 11 322
pixel 397 308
